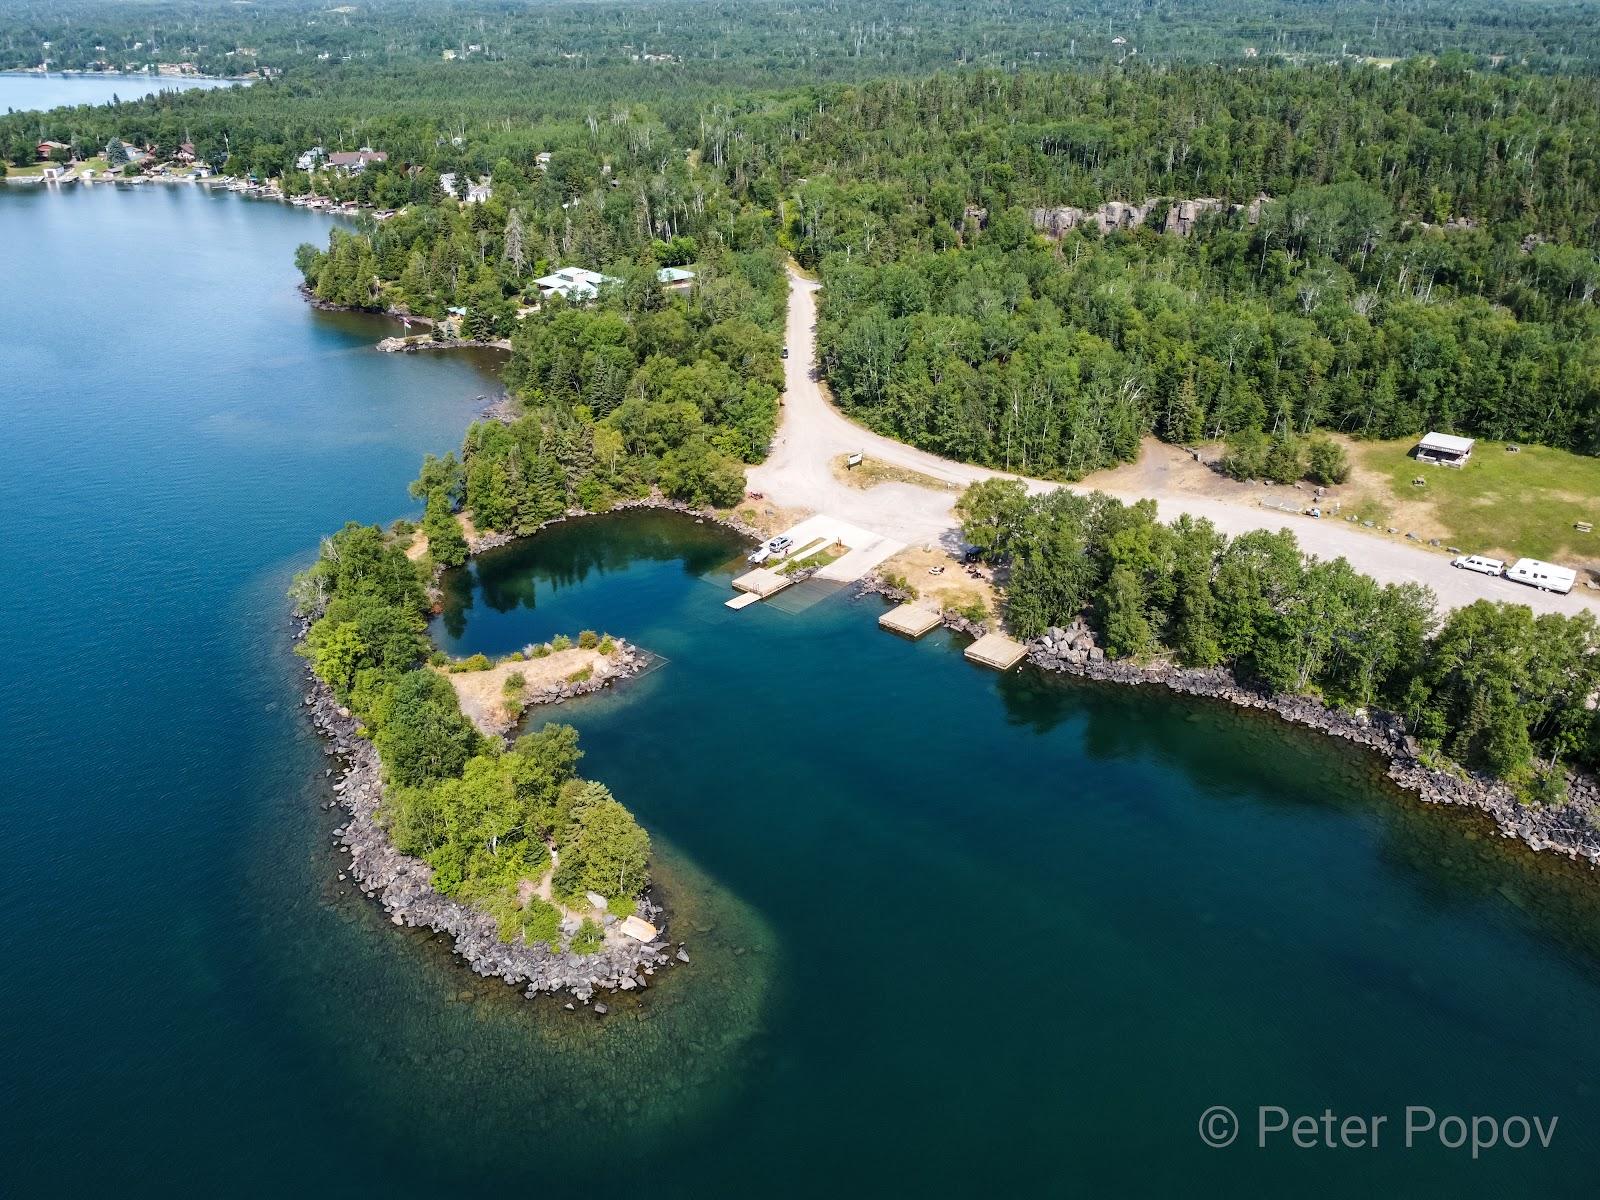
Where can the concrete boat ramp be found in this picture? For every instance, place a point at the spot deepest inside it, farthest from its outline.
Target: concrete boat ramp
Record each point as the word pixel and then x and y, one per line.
pixel 822 534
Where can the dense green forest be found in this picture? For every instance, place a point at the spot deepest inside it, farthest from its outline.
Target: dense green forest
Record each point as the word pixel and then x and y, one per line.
pixel 1418 250
pixel 483 817
pixel 641 390
pixel 823 38
pixel 1352 301
pixel 1491 686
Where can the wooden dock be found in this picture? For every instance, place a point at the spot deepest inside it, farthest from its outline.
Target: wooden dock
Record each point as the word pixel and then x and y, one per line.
pixel 762 582
pixel 743 600
pixel 997 651
pixel 911 620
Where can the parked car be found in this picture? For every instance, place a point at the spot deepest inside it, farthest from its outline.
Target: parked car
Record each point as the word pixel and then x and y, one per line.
pixel 786 352
pixel 780 545
pixel 1483 566
pixel 759 555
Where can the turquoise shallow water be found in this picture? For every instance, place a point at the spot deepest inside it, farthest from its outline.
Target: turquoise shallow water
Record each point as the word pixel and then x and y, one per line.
pixel 951 931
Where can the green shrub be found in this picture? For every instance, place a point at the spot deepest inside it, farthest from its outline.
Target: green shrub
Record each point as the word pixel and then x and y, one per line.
pixel 478 662
pixel 588 639
pixel 582 675
pixel 974 610
pixel 542 650
pixel 515 684
pixel 438 658
pixel 900 583
pixel 622 907
pixel 589 938
pixel 516 656
pixel 1326 461
pixel 561 642
pixel 607 646
pixel 541 922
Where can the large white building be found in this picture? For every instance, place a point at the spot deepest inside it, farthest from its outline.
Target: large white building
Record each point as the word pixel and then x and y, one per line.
pixel 576 284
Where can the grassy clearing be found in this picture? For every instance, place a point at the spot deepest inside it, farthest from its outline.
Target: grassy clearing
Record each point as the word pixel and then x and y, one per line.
pixel 952 588
pixel 1508 504
pixel 870 473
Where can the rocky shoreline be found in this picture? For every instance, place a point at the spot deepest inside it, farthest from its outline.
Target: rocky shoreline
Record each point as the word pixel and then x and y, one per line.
pixel 405 345
pixel 403 884
pixel 1572 829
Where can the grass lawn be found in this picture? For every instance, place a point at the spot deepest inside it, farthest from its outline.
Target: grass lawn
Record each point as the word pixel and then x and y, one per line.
pixel 31 169
pixel 1509 505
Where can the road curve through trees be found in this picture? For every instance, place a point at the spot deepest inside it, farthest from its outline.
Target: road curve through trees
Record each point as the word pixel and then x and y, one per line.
pixel 813 434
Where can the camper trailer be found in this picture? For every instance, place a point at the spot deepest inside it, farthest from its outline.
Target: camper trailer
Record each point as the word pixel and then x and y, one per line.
pixel 1547 577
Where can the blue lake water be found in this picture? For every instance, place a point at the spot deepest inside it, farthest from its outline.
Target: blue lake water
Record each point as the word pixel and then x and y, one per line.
pixel 952 932
pixel 25 90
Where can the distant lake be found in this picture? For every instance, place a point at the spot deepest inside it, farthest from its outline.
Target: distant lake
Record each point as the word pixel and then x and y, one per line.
pixel 21 90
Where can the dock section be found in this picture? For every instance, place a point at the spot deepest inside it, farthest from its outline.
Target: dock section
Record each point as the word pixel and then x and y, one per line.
pixel 910 620
pixel 742 600
pixel 762 582
pixel 997 651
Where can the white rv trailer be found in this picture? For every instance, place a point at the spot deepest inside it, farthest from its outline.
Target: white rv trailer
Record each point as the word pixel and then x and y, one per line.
pixel 1547 577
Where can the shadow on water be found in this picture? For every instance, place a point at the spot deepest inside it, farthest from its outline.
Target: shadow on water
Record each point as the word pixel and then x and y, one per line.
pixel 1456 857
pixel 568 555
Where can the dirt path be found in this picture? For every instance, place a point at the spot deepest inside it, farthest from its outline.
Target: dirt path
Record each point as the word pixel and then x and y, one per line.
pixel 812 433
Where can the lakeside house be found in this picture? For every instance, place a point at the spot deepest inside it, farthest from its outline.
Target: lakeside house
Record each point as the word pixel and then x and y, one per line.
pixel 309 159
pixel 675 279
pixel 48 149
pixel 119 152
pixel 1445 449
pixel 575 284
pixel 542 160
pixel 477 192
pixel 353 162
pixel 55 172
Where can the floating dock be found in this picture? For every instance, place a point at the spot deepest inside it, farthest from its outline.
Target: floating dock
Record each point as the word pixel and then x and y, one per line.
pixel 911 620
pixel 743 600
pixel 997 651
pixel 762 582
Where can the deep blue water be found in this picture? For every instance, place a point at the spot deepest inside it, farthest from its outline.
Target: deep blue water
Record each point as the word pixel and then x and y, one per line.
pixel 952 932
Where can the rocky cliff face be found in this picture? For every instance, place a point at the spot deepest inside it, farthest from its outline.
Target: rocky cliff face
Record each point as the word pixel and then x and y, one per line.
pixel 1176 216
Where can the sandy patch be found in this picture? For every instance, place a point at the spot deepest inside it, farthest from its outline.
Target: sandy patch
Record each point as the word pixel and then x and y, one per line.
pixel 482 693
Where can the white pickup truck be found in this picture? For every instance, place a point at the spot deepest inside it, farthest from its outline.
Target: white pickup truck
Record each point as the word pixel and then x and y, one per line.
pixel 1483 566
